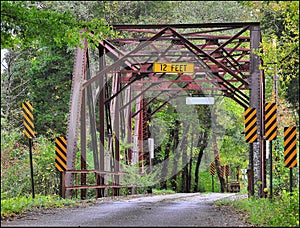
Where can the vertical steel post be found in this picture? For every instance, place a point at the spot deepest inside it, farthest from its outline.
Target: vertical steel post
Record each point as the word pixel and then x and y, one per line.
pixel 291 181
pixel 83 144
pixel 31 167
pixel 101 98
pixel 129 139
pixel 262 140
pixel 92 118
pixel 127 122
pixel 257 101
pixel 63 184
pixel 74 113
pixel 275 98
pixel 250 172
pixel 117 137
pixel 140 136
pixel 271 174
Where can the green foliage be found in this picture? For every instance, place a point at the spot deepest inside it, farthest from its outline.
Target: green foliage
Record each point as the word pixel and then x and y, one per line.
pixel 162 191
pixel 24 23
pixel 15 166
pixel 134 177
pixel 233 147
pixel 11 207
pixel 281 174
pixel 208 12
pixel 46 176
pixel 205 182
pixel 280 32
pixel 42 76
pixel 14 86
pixel 51 75
pixel 283 211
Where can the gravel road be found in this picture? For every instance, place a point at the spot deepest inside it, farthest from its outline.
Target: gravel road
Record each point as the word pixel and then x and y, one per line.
pixel 181 209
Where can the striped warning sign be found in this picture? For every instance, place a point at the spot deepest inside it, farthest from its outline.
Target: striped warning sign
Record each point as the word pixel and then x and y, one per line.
pixel 212 169
pixel 227 170
pixel 28 120
pixel 290 151
pixel 250 125
pixel 270 121
pixel 61 153
pixel 222 169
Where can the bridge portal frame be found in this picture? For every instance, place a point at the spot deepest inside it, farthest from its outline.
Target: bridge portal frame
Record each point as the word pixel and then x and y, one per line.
pixel 226 61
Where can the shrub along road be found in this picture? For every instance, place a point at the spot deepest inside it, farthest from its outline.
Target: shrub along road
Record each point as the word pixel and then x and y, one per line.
pixel 181 209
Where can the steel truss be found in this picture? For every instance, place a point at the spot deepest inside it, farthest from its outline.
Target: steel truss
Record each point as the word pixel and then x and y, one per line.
pixel 103 95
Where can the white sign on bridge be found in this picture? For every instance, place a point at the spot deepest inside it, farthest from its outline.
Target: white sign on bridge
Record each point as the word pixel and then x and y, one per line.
pixel 200 100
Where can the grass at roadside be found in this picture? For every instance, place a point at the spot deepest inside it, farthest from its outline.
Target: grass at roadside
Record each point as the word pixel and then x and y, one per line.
pixel 282 211
pixel 163 191
pixel 18 205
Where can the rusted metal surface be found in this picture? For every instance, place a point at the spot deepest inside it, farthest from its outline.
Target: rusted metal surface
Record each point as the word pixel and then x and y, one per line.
pixel 225 64
pixel 143 135
pixel 83 187
pixel 74 113
pixel 257 101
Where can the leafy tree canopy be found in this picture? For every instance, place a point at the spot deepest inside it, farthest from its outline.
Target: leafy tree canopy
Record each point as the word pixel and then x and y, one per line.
pixel 280 28
pixel 24 23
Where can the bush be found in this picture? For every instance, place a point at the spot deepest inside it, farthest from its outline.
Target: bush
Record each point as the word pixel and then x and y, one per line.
pixel 15 166
pixel 18 205
pixel 283 211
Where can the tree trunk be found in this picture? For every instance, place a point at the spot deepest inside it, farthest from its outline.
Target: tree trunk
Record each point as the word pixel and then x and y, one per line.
pixel 221 177
pixel 189 178
pixel 183 149
pixel 175 144
pixel 164 170
pixel 218 164
pixel 202 143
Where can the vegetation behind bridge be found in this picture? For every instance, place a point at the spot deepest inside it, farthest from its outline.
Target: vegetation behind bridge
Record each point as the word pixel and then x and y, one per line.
pixel 40 39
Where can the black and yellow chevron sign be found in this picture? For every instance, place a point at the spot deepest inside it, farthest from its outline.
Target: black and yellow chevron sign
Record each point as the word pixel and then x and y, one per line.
pixel 212 169
pixel 270 121
pixel 61 153
pixel 28 120
pixel 290 150
pixel 222 169
pixel 227 170
pixel 250 125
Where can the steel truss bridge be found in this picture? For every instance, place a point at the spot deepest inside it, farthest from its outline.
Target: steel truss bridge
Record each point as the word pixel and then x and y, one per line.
pixel 109 101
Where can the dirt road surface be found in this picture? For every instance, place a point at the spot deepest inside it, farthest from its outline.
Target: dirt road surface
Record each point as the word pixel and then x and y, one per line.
pixel 172 210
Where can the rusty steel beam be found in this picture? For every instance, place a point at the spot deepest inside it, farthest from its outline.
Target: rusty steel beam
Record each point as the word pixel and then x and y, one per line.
pixel 257 101
pixel 83 145
pixel 231 39
pixel 229 70
pixel 117 137
pixel 119 61
pixel 135 97
pixel 209 57
pixel 196 25
pixel 92 117
pixel 115 53
pixel 154 98
pixel 233 88
pixel 101 104
pixel 74 113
